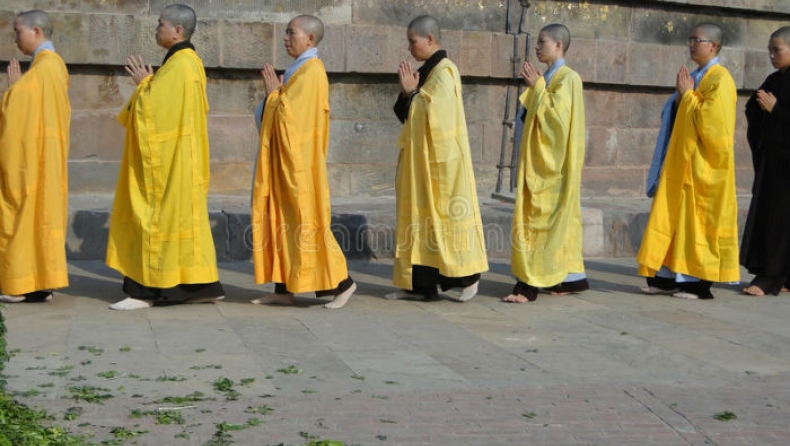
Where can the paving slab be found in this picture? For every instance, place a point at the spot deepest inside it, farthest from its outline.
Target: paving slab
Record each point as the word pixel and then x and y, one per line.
pixel 606 367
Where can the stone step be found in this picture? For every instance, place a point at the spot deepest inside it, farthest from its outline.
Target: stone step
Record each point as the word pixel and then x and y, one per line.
pixel 365 227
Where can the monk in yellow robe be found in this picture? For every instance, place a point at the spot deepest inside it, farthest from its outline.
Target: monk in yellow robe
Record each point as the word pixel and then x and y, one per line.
pixel 34 147
pixel 293 245
pixel 691 238
pixel 160 238
pixel 546 250
pixel 439 236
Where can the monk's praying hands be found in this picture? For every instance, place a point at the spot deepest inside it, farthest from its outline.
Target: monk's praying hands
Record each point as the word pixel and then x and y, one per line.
pixel 138 69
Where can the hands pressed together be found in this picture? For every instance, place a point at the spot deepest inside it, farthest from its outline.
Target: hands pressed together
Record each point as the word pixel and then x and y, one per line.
pixel 766 100
pixel 271 82
pixel 13 71
pixel 409 81
pixel 530 74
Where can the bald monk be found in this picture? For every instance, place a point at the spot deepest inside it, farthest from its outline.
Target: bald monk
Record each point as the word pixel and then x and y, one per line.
pixel 293 245
pixel 439 233
pixel 160 237
pixel 34 147
pixel 691 238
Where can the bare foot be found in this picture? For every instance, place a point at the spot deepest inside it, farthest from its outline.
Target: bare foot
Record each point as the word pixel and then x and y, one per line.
pixel 516 299
pixel 785 290
pixel 754 290
pixel 342 299
pixel 275 299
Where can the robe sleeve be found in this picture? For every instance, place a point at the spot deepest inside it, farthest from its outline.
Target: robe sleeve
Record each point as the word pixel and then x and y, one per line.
pixel 550 108
pixel 708 109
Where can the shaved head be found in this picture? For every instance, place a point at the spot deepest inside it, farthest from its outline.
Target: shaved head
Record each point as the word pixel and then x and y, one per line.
pixel 36 18
pixel 782 33
pixel 712 32
pixel 425 25
pixel 181 15
pixel 311 25
pixel 559 33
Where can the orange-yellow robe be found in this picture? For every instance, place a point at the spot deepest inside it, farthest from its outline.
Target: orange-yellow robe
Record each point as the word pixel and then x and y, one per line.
pixel 159 230
pixel 547 222
pixel 439 223
pixel 291 216
pixel 693 227
pixel 34 149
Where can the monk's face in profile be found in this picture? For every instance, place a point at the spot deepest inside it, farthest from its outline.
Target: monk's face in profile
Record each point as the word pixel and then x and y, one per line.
pixel 27 39
pixel 779 51
pixel 297 41
pixel 421 48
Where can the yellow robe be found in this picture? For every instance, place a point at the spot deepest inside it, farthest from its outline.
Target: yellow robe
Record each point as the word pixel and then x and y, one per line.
pixel 34 149
pixel 159 231
pixel 291 216
pixel 439 222
pixel 693 226
pixel 547 225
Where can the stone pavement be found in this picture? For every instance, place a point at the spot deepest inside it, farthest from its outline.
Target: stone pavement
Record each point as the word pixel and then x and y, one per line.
pixel 606 367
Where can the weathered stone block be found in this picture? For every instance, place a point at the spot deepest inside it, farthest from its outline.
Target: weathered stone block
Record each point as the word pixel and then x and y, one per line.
pixel 643 110
pixel 363 102
pixel 339 179
pixel 330 11
pixel 492 143
pixel 475 56
pixel 669 27
pixel 372 180
pixel 366 50
pixel 332 49
pixel 237 95
pixel 605 108
pixel 231 178
pixel 735 61
pixel 84 6
pixel 612 62
pixel 96 136
pixel 613 181
pixel 112 38
pixel 642 62
pixel 585 20
pixel 232 138
pixel 757 68
pixel 602 146
pixel 755 5
pixel 476 143
pixel 207 42
pixel 99 91
pixel 93 177
pixel 502 55
pixel 472 15
pixel 758 32
pixel 360 141
pixel 8 48
pixel 246 44
pixel 70 37
pixel 397 49
pixel 581 57
pixel 635 147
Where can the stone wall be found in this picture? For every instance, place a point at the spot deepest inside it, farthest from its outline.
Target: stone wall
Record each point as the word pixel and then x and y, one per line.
pixel 627 53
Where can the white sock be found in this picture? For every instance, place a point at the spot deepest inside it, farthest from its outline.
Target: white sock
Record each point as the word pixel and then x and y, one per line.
pixel 468 292
pixel 6 299
pixel 130 304
pixel 342 299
